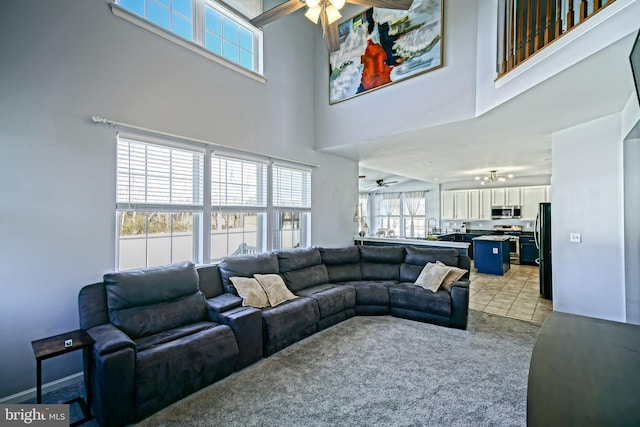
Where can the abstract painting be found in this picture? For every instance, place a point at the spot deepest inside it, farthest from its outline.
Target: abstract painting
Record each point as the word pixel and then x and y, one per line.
pixel 379 47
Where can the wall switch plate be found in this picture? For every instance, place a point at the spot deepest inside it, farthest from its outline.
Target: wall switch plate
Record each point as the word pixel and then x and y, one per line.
pixel 495 251
pixel 68 343
pixel 576 237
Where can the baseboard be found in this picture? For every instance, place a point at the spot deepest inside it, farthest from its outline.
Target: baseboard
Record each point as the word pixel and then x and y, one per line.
pixel 48 387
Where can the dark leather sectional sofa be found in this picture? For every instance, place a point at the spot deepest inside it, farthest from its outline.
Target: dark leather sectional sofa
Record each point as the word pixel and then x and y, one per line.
pixel 163 333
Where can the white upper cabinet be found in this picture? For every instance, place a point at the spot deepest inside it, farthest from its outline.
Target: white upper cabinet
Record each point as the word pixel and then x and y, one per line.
pixel 531 199
pixel 476 204
pixel 447 201
pixel 462 204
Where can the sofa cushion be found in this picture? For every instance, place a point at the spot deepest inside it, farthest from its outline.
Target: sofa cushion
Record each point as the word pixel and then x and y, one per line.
pixel 421 256
pixel 296 259
pixel 379 271
pixel 382 254
pixel 343 264
pixel 371 292
pixel 172 334
pixel 455 274
pixel 432 275
pixel 344 272
pixel 288 319
pixel 150 300
pixel 209 281
pixel 274 287
pixel 246 266
pixel 151 285
pixel 331 299
pixel 252 293
pixel 340 256
pixel 174 369
pixel 306 277
pixel 413 297
pixel 147 320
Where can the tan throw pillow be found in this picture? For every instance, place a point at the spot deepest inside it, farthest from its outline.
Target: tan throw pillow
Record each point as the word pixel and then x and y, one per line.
pixel 454 274
pixel 251 292
pixel 276 290
pixel 432 276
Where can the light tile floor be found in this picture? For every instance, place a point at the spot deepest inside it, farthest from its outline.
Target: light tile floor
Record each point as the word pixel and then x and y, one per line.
pixel 516 294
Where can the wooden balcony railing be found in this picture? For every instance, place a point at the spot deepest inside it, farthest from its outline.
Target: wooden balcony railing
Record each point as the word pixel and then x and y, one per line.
pixel 526 26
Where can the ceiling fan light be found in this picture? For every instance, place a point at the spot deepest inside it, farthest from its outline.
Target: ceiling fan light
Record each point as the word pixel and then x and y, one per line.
pixel 313 14
pixel 312 3
pixel 338 4
pixel 502 179
pixel 332 14
pixel 510 176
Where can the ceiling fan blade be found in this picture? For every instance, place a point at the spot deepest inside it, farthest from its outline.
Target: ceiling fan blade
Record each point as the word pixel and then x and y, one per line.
pixel 332 38
pixel 277 12
pixel 384 4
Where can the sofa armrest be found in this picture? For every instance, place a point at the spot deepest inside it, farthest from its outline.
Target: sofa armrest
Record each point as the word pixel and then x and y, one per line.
pixel 109 339
pixel 111 370
pixel 459 292
pixel 246 323
pixel 222 303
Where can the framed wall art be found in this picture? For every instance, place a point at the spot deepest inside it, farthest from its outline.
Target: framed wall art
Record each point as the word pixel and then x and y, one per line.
pixel 379 47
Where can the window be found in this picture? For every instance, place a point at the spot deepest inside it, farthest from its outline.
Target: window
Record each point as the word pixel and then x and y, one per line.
pixel 238 207
pixel 158 204
pixel 292 207
pixel 204 22
pixel 390 213
pixel 176 202
pixel 415 221
pixel 402 213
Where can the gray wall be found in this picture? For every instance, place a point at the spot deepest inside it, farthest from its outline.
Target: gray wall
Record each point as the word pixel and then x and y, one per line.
pixel 632 229
pixel 67 60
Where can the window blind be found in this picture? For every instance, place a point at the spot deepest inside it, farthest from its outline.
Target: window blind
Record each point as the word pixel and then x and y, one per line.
pixel 157 175
pixel 238 183
pixel 291 187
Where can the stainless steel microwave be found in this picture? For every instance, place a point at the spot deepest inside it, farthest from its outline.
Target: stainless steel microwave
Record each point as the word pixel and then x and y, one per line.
pixel 506 212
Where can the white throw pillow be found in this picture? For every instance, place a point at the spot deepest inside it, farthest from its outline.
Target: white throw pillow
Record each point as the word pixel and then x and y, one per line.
pixel 454 274
pixel 275 288
pixel 251 292
pixel 432 276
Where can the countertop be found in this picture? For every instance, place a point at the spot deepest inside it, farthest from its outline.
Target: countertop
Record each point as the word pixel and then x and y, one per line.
pixel 493 238
pixel 418 242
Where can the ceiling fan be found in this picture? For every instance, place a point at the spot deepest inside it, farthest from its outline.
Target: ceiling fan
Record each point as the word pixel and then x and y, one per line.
pixel 381 183
pixel 328 11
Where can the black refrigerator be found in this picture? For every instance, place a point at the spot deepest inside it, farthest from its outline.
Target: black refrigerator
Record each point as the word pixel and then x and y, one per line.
pixel 542 234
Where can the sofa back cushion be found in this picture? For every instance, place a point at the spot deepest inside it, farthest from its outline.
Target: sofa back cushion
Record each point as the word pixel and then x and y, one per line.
pixel 246 266
pixel 381 262
pixel 416 258
pixel 302 268
pixel 147 301
pixel 210 281
pixel 343 264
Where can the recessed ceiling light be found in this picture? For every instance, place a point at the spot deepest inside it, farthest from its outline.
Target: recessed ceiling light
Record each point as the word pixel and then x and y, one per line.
pixel 436 179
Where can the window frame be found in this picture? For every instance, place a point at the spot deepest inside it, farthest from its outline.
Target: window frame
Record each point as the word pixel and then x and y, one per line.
pixel 201 226
pixel 197 45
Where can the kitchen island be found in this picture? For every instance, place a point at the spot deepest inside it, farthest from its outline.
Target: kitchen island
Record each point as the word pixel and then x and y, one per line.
pixel 491 254
pixel 461 247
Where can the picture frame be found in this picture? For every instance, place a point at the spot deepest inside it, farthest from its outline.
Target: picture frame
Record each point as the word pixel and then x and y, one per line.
pixel 380 47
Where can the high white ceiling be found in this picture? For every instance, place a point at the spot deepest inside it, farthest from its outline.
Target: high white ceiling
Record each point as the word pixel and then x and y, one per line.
pixel 512 138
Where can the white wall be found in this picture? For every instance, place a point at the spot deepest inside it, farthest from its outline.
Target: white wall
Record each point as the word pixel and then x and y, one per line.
pixel 587 198
pixel 440 96
pixel 63 62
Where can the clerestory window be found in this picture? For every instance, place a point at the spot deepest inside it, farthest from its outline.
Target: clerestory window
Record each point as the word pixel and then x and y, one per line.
pixel 204 24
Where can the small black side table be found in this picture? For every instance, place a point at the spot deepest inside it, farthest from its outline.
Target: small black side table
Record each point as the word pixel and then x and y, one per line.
pixel 47 348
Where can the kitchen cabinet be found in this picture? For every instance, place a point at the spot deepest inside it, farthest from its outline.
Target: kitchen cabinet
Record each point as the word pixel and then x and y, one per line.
pixel 447 201
pixel 528 251
pixel 507 196
pixel 455 204
pixel 474 204
pixel 462 204
pixel 531 199
pixel 485 204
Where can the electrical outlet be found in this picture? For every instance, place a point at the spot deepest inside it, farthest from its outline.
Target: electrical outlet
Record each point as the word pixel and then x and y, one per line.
pixel 68 343
pixel 576 237
pixel 495 251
